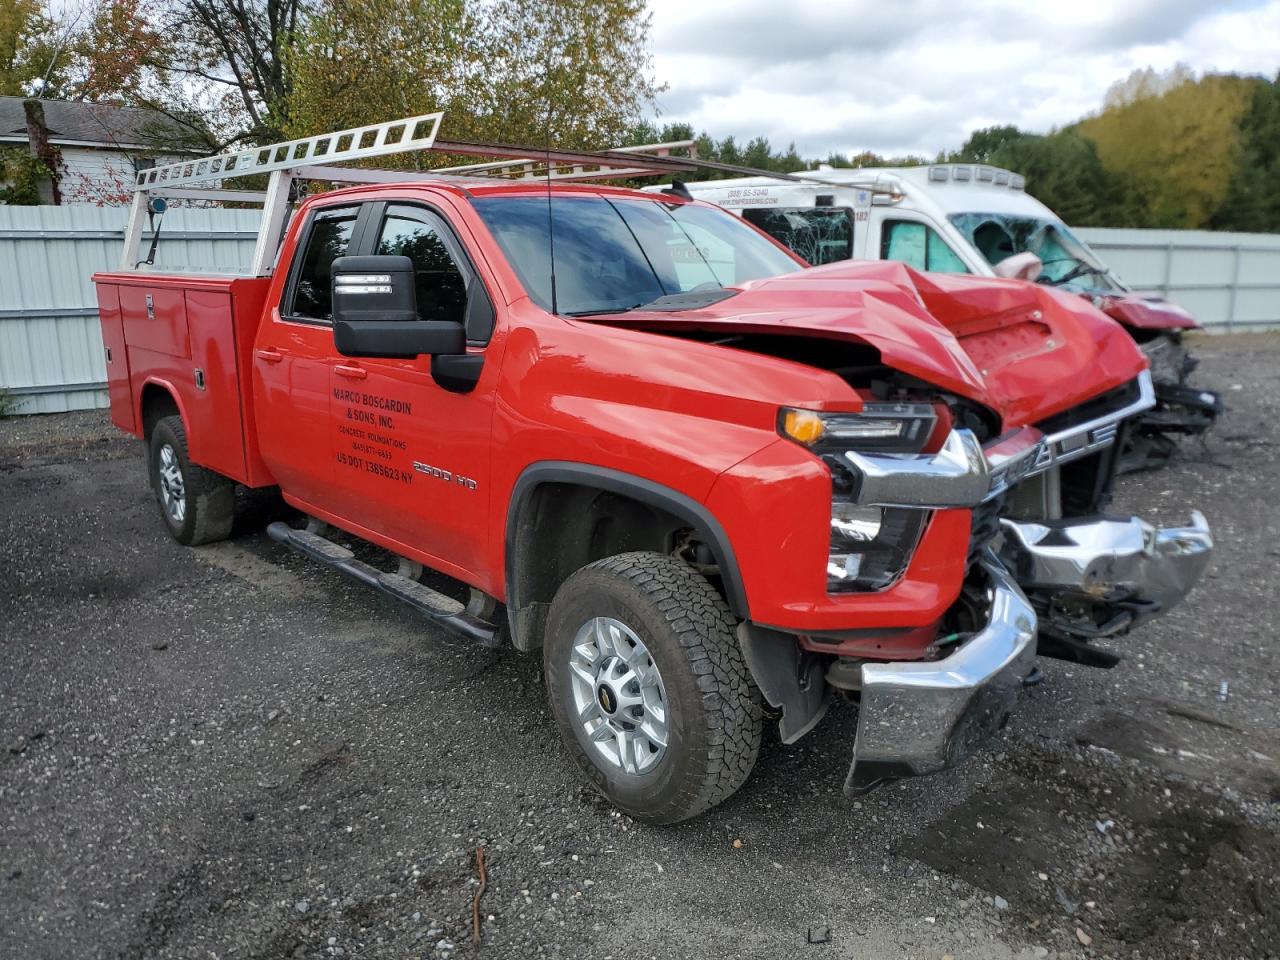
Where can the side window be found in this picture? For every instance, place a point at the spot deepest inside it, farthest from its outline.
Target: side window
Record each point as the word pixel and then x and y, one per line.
pixel 327 239
pixel 441 286
pixel 819 234
pixel 918 245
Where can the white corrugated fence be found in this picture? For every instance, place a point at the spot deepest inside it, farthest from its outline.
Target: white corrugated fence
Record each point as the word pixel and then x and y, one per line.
pixel 51 355
pixel 1228 281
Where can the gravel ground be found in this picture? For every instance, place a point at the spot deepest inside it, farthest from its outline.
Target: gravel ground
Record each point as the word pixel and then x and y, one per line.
pixel 226 752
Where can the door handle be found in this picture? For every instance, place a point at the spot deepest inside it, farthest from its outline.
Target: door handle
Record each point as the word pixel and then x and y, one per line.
pixel 352 373
pixel 269 356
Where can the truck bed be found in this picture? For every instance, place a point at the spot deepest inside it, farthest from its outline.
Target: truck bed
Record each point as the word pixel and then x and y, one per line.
pixel 193 336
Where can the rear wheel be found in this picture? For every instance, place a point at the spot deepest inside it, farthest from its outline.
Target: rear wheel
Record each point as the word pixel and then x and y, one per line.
pixel 649 688
pixel 198 505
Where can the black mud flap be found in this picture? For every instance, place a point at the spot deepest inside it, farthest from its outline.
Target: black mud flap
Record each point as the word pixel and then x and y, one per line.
pixel 790 679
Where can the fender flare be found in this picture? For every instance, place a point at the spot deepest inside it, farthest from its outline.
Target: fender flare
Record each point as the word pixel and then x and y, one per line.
pixel 167 387
pixel 698 517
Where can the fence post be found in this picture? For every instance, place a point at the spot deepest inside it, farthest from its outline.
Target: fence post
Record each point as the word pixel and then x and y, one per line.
pixel 1231 296
pixel 1168 269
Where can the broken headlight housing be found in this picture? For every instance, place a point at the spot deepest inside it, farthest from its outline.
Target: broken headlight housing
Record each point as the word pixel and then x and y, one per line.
pixel 870 546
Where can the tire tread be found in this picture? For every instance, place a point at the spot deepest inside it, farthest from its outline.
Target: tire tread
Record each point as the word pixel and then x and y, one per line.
pixel 705 630
pixel 211 497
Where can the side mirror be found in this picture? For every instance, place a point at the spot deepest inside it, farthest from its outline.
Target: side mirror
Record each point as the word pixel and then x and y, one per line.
pixel 1021 266
pixel 375 312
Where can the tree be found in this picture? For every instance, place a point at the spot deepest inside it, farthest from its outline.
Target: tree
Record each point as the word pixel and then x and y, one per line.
pixel 1253 197
pixel 574 73
pixel 115 50
pixel 245 46
pixel 30 44
pixel 404 56
pixel 1181 145
pixel 1144 83
pixel 985 145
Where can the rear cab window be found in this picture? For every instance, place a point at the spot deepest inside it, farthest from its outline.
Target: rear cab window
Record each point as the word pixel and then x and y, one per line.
pixel 818 234
pixel 918 245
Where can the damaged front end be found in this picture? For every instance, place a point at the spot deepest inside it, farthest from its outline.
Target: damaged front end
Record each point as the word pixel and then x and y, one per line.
pixel 1092 578
pixel 1050 575
pixel 1181 409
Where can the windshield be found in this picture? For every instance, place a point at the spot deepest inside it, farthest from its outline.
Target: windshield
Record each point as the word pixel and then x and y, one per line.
pixel 613 255
pixel 1067 261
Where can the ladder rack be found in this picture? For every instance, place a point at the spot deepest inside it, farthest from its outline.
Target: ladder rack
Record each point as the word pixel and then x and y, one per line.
pixel 315 158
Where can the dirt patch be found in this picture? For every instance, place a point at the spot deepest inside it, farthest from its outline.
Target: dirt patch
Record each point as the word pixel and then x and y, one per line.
pixel 1142 866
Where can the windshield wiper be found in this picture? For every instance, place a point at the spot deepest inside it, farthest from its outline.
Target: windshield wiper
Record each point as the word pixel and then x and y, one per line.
pixel 1073 273
pixel 601 313
pixel 670 302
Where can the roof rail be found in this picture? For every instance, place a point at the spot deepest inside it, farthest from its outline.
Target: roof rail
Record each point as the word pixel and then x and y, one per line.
pixel 540 167
pixel 357 143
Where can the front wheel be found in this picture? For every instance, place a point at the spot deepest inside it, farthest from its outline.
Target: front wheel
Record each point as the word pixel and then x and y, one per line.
pixel 649 688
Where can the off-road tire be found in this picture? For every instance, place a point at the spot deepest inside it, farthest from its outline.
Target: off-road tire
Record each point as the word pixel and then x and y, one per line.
pixel 713 707
pixel 210 497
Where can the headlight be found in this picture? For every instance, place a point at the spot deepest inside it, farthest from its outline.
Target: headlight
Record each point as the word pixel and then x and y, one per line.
pixel 879 427
pixel 870 546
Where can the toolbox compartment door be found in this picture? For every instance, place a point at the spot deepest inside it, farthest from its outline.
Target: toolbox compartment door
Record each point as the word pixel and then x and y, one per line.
pixel 119 390
pixel 155 319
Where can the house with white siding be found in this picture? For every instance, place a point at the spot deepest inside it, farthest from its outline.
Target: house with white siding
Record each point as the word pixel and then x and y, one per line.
pixel 97 148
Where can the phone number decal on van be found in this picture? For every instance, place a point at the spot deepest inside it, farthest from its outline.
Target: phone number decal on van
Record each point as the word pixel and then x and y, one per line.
pixel 750 196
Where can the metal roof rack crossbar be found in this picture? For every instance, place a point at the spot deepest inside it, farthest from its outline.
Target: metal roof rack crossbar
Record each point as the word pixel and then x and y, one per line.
pixel 316 158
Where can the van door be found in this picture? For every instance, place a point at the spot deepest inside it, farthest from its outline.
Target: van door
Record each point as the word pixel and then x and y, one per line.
pixel 914 241
pixel 292 356
pixel 413 457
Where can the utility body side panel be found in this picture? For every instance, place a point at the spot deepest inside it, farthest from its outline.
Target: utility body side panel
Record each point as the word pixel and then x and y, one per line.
pixel 190 336
pixel 119 388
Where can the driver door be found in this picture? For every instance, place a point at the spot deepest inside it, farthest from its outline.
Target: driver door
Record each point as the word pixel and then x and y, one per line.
pixel 413 457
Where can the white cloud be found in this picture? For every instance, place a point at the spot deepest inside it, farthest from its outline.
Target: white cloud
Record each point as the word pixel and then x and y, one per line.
pixel 917 76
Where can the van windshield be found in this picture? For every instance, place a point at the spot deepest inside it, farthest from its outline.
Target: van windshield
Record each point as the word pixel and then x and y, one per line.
pixel 613 255
pixel 1067 261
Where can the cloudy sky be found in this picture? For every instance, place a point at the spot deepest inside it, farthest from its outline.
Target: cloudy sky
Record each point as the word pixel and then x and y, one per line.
pixel 916 76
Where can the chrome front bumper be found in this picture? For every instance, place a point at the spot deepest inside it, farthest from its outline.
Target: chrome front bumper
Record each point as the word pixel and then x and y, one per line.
pixel 1123 561
pixel 921 717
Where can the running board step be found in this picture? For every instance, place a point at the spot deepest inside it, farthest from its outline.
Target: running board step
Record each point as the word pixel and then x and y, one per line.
pixel 435 606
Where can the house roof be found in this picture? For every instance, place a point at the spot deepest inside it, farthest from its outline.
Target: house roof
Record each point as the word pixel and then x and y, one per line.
pixel 73 123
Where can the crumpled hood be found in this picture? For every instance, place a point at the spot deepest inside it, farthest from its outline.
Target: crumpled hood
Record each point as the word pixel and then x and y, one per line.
pixel 1025 351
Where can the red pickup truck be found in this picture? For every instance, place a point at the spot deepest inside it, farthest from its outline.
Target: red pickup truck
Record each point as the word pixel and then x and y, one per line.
pixel 645 439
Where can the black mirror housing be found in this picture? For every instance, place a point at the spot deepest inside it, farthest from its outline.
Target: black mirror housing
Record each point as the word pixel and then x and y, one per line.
pixel 375 312
pixel 373 288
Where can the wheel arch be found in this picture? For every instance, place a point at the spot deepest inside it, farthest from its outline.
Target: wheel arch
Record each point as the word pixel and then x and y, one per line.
pixel 158 399
pixel 527 590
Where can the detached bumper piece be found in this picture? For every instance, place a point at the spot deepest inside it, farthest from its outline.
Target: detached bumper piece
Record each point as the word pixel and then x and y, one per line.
pixel 1181 410
pixel 924 716
pixel 1099 577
